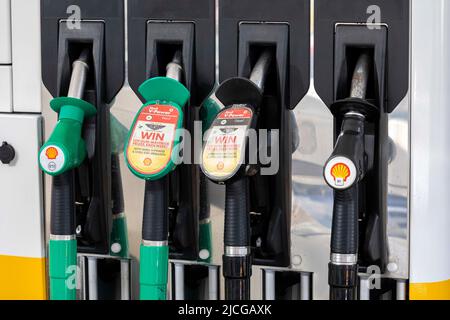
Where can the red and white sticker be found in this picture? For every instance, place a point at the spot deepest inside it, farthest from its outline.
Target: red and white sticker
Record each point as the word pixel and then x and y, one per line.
pixel 52 159
pixel 340 173
pixel 152 139
pixel 225 146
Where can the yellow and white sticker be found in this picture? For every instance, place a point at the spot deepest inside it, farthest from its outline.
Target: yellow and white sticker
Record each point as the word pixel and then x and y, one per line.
pixel 225 147
pixel 52 159
pixel 152 140
pixel 340 173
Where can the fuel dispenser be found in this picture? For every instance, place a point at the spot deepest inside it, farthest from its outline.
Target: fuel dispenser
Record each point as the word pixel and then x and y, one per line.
pixel 159 31
pixel 264 72
pixel 83 66
pixel 361 73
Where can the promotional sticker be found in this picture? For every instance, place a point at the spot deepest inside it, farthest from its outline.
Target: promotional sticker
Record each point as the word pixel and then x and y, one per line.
pixel 152 139
pixel 225 146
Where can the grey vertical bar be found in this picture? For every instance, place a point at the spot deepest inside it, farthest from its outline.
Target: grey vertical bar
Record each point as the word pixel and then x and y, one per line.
pixel 124 279
pixel 269 285
pixel 92 278
pixel 81 278
pixel 401 290
pixel 179 281
pixel 305 286
pixel 364 289
pixel 213 281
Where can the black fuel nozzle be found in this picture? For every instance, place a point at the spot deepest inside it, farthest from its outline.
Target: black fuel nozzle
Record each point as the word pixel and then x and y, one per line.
pixel 344 171
pixel 224 161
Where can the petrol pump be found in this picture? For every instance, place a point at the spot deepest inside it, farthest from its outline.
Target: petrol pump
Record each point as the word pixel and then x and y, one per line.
pixel 364 108
pixel 356 211
pixel 367 77
pixel 83 67
pixel 263 71
pixel 169 40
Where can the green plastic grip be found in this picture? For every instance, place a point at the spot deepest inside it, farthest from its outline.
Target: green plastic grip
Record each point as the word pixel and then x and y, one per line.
pixel 63 269
pixel 154 272
pixel 65 149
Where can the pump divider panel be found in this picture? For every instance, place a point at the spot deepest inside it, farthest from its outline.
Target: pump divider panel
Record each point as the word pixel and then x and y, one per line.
pixel 295 13
pixel 200 13
pixel 394 14
pixel 112 16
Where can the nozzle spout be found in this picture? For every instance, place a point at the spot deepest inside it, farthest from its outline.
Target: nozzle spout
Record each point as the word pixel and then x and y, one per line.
pixel 360 77
pixel 174 69
pixel 80 70
pixel 261 68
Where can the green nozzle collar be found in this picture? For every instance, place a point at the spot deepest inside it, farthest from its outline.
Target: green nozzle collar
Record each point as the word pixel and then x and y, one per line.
pixel 71 112
pixel 164 89
pixel 60 105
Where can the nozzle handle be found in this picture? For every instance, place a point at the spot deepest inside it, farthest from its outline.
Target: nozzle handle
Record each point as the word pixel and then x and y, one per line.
pixel 65 149
pixel 346 166
pixel 156 215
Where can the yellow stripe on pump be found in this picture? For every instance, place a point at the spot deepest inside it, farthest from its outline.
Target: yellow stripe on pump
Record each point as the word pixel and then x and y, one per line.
pixel 430 291
pixel 22 278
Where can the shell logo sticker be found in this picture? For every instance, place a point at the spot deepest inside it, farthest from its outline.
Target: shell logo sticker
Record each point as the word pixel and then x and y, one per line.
pixel 51 153
pixel 52 159
pixel 340 173
pixel 147 162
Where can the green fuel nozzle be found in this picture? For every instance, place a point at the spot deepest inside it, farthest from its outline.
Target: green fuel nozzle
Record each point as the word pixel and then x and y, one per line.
pixel 151 151
pixel 65 149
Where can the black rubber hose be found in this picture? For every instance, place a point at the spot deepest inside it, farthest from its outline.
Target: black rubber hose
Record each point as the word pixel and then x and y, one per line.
pixel 344 240
pixel 344 230
pixel 156 216
pixel 62 205
pixel 116 186
pixel 237 219
pixel 237 270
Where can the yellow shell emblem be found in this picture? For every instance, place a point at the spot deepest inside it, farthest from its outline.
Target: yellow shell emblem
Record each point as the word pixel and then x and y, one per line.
pixel 51 153
pixel 340 173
